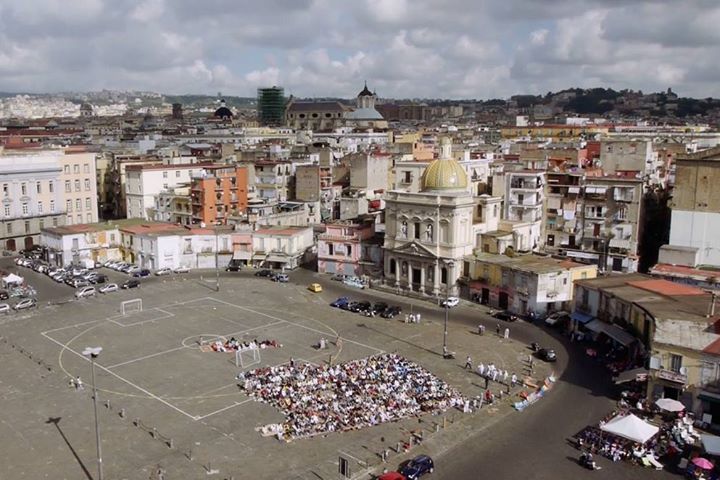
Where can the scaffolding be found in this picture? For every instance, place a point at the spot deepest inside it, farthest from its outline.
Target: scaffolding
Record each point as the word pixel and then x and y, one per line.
pixel 271 106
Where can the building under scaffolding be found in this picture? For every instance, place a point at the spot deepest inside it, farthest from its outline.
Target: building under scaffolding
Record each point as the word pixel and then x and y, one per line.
pixel 271 106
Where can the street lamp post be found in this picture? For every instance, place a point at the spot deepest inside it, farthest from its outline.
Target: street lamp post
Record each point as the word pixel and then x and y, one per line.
pixel 93 353
pixel 217 267
pixel 448 265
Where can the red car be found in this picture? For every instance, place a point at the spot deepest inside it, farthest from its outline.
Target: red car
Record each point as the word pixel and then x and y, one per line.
pixel 391 476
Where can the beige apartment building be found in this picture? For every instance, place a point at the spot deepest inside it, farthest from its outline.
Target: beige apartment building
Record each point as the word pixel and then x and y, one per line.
pixel 78 179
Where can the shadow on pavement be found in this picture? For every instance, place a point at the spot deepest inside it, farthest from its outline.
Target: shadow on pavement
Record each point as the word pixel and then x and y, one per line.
pixel 56 421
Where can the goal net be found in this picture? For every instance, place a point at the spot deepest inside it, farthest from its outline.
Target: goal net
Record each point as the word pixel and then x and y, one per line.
pixel 131 306
pixel 247 357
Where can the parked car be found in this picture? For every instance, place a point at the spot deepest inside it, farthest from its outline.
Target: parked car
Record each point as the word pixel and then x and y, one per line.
pixel 505 315
pixel 359 307
pixel 339 277
pixel 4 308
pixel 163 271
pixel 450 302
pixel 281 277
pixel 77 282
pixel 340 301
pixel 25 303
pixel 547 354
pixel 132 283
pixel 128 268
pixel 182 270
pixel 391 476
pixel 264 273
pixel 557 319
pixel 85 292
pixel 142 273
pixel 110 287
pixel 417 467
pixel 98 278
pixel 315 287
pixel 354 282
pixel 233 267
pixel 391 312
pixel 378 308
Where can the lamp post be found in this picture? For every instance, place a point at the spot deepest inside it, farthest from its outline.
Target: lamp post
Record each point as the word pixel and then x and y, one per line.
pixel 217 267
pixel 448 266
pixel 93 353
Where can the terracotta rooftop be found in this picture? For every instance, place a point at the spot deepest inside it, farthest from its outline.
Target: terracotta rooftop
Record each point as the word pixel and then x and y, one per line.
pixel 666 287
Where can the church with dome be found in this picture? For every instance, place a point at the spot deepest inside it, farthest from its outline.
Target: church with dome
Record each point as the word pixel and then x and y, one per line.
pixel 428 233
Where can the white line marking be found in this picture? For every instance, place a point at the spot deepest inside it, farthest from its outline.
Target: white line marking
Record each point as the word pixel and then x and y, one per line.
pixel 71 326
pixel 223 409
pixel 146 392
pixel 297 324
pixel 146 357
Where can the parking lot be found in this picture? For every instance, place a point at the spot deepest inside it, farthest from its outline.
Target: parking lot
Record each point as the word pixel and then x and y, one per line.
pixel 156 370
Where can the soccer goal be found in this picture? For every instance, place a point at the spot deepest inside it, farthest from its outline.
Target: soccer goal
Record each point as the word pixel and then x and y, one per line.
pixel 247 357
pixel 131 306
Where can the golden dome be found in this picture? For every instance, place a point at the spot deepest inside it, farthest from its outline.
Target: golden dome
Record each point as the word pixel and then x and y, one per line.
pixel 445 173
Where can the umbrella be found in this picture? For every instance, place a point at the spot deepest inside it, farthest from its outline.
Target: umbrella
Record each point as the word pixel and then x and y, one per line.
pixel 703 463
pixel 670 405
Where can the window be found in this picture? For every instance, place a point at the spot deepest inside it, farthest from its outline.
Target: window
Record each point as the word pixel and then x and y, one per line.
pixel 348 250
pixel 165 174
pixel 443 275
pixel 331 249
pixel 52 206
pixel 23 188
pixel 40 207
pixel 25 208
pixel 177 173
pixel 9 228
pixel 76 168
pixel 6 189
pixel 7 210
pixel 68 205
pixel 67 169
pixel 68 188
pixel 79 218
pixel 86 168
pixel 55 222
pixel 69 220
pixel 408 177
pixel 87 185
pixel 51 187
pixel 675 362
pixel 416 227
pixel 27 226
pixel 77 185
pixel 89 217
pixel 88 203
pixel 393 266
pixel 41 223
pixel 78 204
pixel 38 187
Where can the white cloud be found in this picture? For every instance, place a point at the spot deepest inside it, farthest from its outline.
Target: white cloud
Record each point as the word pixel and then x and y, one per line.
pixel 423 48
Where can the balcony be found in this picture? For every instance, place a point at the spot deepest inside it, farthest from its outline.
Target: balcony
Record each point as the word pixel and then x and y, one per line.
pixel 530 186
pixel 670 376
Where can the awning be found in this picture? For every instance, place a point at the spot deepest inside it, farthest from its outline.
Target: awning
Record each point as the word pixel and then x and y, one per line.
pixel 612 331
pixel 574 190
pixel 241 255
pixel 709 397
pixel 711 443
pixel 636 374
pixel 581 317
pixel 259 256
pixel 277 258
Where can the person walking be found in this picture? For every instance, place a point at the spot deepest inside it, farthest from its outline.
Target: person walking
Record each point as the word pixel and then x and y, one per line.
pixel 480 329
pixel 481 369
pixel 507 333
pixel 505 377
pixel 513 380
pixel 79 384
pixel 468 363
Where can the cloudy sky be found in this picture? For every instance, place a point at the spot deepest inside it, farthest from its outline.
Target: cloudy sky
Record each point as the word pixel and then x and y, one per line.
pixel 404 48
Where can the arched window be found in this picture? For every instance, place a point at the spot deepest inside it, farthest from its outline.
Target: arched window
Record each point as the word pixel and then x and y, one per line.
pixel 404 229
pixel 444 232
pixel 429 232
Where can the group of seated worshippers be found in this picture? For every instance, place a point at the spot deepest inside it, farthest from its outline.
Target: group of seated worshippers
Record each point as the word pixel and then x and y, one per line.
pixel 233 345
pixel 317 399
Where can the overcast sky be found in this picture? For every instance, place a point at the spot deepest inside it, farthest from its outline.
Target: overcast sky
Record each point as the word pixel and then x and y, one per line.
pixel 404 48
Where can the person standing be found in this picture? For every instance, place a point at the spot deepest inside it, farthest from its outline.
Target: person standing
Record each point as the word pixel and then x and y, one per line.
pixel 79 384
pixel 468 363
pixel 505 377
pixel 507 333
pixel 513 380
pixel 481 369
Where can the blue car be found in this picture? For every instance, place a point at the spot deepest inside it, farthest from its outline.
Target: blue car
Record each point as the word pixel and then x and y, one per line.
pixel 340 302
pixel 142 273
pixel 417 467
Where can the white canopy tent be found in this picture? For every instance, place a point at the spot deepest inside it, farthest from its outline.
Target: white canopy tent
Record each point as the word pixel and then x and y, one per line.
pixel 12 279
pixel 630 427
pixel 711 444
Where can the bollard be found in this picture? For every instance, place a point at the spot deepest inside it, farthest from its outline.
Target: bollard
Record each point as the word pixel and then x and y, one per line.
pixel 122 413
pixel 437 427
pixel 107 404
pixel 397 447
pixel 171 444
pixel 411 441
pixel 444 422
pixel 154 432
pixel 136 421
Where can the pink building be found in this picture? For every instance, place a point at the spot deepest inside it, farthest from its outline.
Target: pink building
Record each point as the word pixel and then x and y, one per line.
pixel 340 248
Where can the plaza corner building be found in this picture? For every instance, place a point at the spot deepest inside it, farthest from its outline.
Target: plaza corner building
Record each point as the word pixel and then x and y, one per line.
pixel 672 327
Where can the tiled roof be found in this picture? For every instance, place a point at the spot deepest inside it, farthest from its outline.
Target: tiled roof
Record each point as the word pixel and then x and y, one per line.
pixel 666 287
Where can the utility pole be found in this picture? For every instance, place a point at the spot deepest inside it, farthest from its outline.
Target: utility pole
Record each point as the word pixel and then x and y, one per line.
pixel 93 354
pixel 217 258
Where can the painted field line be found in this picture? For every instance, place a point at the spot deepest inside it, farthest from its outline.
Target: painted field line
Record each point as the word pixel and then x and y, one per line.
pixel 146 357
pixel 71 326
pixel 223 409
pixel 243 332
pixel 298 325
pixel 105 369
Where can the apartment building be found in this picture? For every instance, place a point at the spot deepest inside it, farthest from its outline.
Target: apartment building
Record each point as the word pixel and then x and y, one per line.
pixel 217 193
pixel 144 182
pixel 116 194
pixel 32 198
pixel 78 179
pixel 174 205
pixel 348 248
pixel 274 180
pixel 524 192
